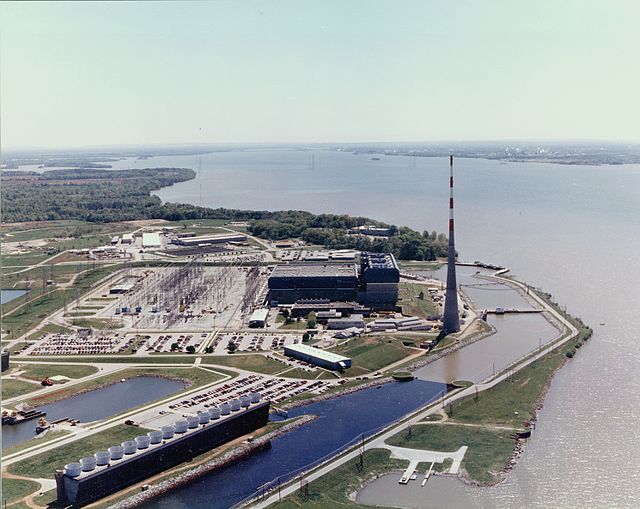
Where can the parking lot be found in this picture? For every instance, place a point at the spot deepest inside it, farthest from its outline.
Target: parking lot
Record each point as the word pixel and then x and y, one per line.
pixel 254 342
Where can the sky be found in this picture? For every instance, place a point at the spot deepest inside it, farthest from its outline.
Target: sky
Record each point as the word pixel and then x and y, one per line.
pixel 89 74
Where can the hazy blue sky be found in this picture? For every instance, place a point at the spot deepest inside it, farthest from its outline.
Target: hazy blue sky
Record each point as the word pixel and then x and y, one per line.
pixel 75 74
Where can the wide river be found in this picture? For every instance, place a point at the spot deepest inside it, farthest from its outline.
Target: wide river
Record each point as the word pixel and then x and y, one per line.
pixel 573 230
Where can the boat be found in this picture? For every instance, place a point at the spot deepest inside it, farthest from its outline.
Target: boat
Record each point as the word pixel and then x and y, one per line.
pixel 43 425
pixel 375 158
pixel 19 416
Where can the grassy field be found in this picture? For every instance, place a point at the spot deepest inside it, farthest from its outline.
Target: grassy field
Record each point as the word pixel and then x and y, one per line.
pixel 15 489
pixel 331 490
pixel 40 371
pixel 257 363
pixel 42 306
pixel 371 353
pixel 411 304
pixel 99 323
pixel 13 388
pixel 44 464
pixel 488 453
pixel 50 435
pixel 499 405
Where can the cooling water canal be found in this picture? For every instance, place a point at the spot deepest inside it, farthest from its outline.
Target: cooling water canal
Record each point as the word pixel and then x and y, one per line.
pixel 96 404
pixel 340 420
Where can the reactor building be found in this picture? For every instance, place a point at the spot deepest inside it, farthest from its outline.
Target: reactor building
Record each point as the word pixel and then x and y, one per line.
pixel 375 284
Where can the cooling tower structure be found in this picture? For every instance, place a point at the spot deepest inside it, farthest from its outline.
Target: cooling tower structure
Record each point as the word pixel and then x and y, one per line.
pixel 451 319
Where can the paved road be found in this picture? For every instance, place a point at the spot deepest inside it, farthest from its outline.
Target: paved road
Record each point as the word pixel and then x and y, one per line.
pixel 434 407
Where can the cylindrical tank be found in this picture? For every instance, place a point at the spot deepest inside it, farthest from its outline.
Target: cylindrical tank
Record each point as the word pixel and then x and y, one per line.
pixel 214 412
pixel 245 401
pixel 204 417
pixel 193 421
pixel 235 405
pixel 255 397
pixel 142 441
pixel 130 446
pixel 116 452
pixel 225 409
pixel 73 469
pixel 102 457
pixel 181 426
pixel 88 463
pixel 168 431
pixel 155 437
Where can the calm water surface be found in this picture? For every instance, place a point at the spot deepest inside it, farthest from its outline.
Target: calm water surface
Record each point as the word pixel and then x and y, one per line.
pixel 9 295
pixel 95 405
pixel 573 230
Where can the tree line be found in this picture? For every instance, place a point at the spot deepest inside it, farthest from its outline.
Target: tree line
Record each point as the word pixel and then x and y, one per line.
pixel 101 196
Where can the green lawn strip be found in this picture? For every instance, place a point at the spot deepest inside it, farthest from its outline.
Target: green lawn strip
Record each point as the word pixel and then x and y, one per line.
pixel 45 463
pixel 372 354
pixel 40 371
pixel 331 490
pixel 50 328
pixel 39 440
pixel 98 323
pixel 120 359
pixel 13 388
pixel 520 393
pixel 195 376
pixel 257 363
pixel 300 373
pixel 412 305
pixel 488 450
pixel 15 489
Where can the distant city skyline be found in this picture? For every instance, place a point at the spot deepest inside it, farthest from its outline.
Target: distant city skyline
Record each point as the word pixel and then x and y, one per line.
pixel 154 73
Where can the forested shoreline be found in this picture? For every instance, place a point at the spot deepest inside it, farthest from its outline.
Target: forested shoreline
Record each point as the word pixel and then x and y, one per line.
pixel 102 196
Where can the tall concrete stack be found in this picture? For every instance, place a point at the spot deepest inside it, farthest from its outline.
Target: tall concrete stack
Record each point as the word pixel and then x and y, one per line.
pixel 451 319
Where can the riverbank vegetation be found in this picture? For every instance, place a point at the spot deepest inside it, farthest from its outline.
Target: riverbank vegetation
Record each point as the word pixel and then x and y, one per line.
pixel 107 196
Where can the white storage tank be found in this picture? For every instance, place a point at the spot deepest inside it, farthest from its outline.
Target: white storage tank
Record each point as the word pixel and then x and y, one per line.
pixel 130 446
pixel 204 417
pixel 245 401
pixel 193 421
pixel 116 452
pixel 168 431
pixel 235 405
pixel 73 469
pixel 155 437
pixel 255 397
pixel 102 457
pixel 181 426
pixel 225 409
pixel 214 412
pixel 143 441
pixel 88 463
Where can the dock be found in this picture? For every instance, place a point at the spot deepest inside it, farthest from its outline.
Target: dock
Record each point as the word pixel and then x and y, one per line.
pixel 413 464
pixel 504 311
pixel 427 475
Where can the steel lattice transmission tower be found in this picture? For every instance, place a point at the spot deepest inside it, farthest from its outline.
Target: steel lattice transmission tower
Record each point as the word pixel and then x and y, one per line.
pixel 451 320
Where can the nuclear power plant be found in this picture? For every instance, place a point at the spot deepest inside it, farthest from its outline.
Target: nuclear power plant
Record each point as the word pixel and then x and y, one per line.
pixel 451 318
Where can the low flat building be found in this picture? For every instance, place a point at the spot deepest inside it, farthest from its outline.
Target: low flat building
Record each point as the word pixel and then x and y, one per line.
pixel 318 357
pixel 346 322
pixel 258 318
pixel 127 238
pixel 375 231
pixel 205 240
pixel 303 307
pixel 151 240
